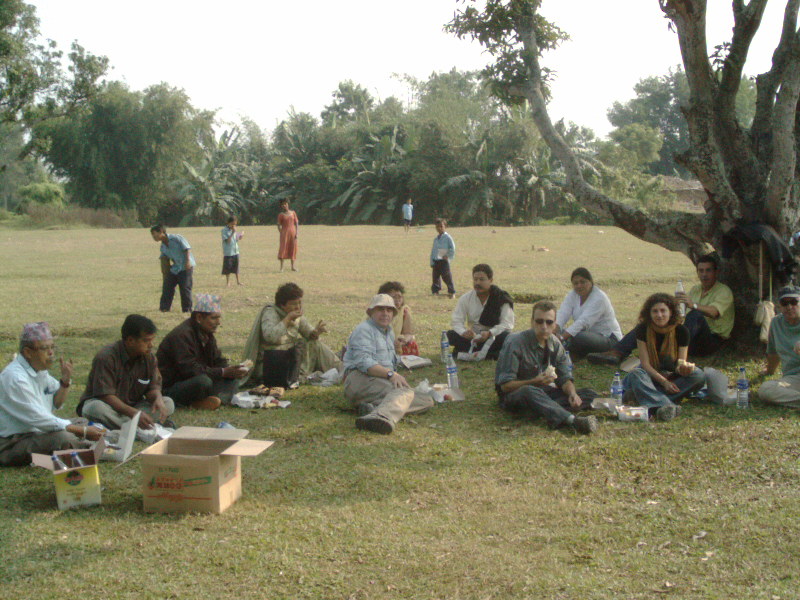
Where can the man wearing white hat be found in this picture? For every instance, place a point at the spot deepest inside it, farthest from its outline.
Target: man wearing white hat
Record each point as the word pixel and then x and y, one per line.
pixel 193 369
pixel 783 348
pixel 28 397
pixel 381 395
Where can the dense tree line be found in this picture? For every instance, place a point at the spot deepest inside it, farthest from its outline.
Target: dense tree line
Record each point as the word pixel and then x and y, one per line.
pixel 456 148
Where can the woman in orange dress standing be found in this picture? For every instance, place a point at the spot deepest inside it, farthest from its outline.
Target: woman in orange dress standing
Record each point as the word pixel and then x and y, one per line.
pixel 287 226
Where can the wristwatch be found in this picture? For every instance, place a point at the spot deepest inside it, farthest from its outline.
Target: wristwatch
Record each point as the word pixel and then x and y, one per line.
pixel 389 374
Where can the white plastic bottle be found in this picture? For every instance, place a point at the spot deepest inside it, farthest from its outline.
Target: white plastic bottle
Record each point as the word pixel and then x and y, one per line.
pixel 616 389
pixel 452 373
pixel 679 289
pixel 742 390
pixel 445 344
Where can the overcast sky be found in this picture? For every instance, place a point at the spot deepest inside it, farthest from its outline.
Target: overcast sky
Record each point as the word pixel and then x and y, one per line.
pixel 258 59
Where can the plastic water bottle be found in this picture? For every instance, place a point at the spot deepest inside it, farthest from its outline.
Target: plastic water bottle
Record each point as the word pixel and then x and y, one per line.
pixel 616 389
pixel 58 464
pixel 452 373
pixel 679 289
pixel 445 344
pixel 742 390
pixel 76 460
pixel 569 363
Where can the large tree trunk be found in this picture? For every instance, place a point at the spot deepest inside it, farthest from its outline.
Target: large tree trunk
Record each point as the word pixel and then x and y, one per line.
pixel 748 175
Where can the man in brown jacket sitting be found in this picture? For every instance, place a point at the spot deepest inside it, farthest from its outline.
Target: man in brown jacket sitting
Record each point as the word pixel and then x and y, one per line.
pixel 194 371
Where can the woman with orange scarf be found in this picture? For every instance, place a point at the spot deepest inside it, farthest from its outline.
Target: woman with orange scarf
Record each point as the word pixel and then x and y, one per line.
pixel 664 376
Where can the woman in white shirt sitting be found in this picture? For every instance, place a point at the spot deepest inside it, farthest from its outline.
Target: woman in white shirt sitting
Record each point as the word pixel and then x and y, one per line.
pixel 594 325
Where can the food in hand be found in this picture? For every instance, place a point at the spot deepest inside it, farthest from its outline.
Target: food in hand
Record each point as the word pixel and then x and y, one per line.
pixel 685 363
pixel 550 371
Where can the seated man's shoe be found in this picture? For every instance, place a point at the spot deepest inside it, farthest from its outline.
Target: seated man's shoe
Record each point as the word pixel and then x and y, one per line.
pixel 207 403
pixel 612 357
pixel 374 423
pixel 667 412
pixel 585 425
pixel 364 409
pixel 169 423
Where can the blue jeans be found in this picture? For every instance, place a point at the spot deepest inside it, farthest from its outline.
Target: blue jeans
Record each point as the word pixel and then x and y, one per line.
pixel 648 394
pixel 441 269
pixel 587 342
pixel 183 280
pixel 550 403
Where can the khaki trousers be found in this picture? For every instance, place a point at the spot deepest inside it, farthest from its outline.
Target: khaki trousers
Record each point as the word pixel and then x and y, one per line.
pixel 15 451
pixel 389 402
pixel 783 392
pixel 101 412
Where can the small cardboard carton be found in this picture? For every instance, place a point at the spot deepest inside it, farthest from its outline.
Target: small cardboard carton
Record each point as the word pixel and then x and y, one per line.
pixel 196 469
pixel 75 486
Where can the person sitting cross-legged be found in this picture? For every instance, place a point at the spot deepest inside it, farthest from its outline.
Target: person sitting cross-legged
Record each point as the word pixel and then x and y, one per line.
pixel 283 345
pixel 194 371
pixel 381 395
pixel 124 380
pixel 783 348
pixel 28 397
pixel 664 377
pixel 533 379
pixel 709 317
pixel 484 312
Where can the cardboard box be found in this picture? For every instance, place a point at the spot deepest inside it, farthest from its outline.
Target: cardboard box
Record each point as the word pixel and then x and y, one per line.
pixel 75 486
pixel 196 469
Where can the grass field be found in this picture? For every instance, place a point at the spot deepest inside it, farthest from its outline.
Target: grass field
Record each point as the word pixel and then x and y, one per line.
pixel 462 502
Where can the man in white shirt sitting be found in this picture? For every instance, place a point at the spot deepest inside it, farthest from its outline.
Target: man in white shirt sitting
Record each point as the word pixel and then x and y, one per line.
pixel 485 312
pixel 28 397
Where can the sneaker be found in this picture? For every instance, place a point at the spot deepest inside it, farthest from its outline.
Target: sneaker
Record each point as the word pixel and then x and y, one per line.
pixel 207 403
pixel 452 296
pixel 667 412
pixel 374 423
pixel 585 425
pixel 612 357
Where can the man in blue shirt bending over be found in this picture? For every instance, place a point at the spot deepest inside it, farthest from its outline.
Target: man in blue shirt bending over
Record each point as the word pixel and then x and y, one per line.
pixel 177 251
pixel 381 396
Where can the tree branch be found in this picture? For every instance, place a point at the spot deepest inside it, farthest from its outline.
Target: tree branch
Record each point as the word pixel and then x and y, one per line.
pixel 767 83
pixel 684 233
pixel 784 157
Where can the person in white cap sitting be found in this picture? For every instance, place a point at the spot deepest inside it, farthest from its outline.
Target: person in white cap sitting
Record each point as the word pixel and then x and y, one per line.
pixel 783 348
pixel 380 394
pixel 193 370
pixel 28 397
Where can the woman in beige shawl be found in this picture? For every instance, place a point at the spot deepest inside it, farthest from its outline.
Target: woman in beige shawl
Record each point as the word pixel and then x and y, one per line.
pixel 282 326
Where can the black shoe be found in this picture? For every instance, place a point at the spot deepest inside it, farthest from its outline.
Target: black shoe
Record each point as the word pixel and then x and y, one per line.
pixel 604 358
pixel 374 423
pixel 585 425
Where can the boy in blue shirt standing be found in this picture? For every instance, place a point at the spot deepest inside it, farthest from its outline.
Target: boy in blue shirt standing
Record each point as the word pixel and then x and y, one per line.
pixel 230 250
pixel 408 214
pixel 177 251
pixel 443 251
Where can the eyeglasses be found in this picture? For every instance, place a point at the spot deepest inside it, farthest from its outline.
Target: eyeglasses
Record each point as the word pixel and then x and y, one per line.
pixel 542 321
pixel 45 348
pixel 789 302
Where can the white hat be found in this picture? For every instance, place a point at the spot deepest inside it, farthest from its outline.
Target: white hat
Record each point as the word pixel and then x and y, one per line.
pixel 382 300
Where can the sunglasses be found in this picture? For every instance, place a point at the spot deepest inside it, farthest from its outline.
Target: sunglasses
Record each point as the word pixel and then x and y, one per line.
pixel 550 321
pixel 789 302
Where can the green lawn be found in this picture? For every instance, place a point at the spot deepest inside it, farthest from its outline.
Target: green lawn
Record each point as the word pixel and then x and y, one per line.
pixel 462 502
